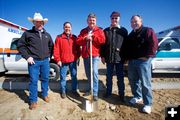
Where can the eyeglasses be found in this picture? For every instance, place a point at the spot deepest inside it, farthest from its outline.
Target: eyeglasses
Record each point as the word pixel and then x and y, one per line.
pixel 114 18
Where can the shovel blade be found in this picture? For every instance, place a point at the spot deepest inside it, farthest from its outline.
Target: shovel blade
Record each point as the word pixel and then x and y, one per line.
pixel 91 106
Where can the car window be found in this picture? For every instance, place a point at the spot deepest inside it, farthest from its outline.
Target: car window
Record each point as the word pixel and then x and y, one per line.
pixel 159 40
pixel 14 44
pixel 173 43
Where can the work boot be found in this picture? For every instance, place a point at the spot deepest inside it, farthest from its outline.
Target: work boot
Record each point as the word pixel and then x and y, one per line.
pixel 33 105
pixel 106 95
pixel 63 95
pixel 121 98
pixel 46 99
pixel 87 94
pixel 75 93
pixel 95 98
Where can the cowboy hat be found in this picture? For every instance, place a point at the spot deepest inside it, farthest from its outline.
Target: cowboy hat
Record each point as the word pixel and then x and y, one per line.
pixel 38 17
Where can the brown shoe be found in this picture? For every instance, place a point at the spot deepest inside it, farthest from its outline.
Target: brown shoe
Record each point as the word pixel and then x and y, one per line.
pixel 33 105
pixel 63 95
pixel 46 99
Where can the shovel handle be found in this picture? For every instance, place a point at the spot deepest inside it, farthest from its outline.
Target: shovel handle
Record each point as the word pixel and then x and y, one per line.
pixel 91 67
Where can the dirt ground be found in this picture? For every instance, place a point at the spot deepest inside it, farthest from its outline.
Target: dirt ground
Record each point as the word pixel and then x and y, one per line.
pixel 14 104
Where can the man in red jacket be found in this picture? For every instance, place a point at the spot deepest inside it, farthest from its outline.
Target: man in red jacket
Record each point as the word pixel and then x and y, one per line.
pixel 66 53
pixel 91 33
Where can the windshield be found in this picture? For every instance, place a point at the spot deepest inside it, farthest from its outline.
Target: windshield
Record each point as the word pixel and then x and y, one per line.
pixel 160 39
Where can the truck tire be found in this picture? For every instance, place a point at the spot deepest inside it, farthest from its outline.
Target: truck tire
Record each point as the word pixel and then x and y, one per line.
pixel 54 72
pixel 2 74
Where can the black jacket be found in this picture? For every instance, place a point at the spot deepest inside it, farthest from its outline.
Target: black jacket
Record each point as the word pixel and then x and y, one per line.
pixel 31 45
pixel 112 50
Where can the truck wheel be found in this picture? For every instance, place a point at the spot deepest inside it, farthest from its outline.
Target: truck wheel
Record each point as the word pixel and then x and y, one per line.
pixel 54 72
pixel 2 74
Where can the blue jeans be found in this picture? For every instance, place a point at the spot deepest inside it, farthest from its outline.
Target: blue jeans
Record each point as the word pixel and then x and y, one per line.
pixel 63 74
pixel 41 67
pixel 95 62
pixel 120 77
pixel 139 75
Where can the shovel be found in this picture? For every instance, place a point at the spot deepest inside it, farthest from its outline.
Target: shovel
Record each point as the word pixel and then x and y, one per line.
pixel 91 105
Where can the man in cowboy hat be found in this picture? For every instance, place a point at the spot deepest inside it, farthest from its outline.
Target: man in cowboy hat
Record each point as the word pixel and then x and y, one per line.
pixel 36 45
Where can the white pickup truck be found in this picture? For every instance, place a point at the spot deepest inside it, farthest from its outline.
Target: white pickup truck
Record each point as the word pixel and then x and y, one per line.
pixel 167 58
pixel 11 62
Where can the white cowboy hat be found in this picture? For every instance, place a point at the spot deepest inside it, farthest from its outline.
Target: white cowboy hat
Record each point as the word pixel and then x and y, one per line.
pixel 38 17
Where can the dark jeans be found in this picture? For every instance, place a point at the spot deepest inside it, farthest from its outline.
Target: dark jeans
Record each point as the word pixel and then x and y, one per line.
pixel 120 78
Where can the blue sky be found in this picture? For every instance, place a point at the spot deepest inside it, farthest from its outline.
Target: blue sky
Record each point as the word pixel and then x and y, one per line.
pixel 158 14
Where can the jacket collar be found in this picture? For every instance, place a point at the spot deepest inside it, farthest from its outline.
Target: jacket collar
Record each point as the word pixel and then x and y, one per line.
pixel 94 29
pixel 138 30
pixel 34 29
pixel 118 26
pixel 64 35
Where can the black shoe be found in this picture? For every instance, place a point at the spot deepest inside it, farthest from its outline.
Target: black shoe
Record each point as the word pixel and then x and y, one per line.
pixel 75 93
pixel 106 95
pixel 86 94
pixel 121 98
pixel 95 98
pixel 63 95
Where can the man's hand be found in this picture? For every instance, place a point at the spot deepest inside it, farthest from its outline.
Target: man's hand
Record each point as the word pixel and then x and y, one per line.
pixel 89 37
pixel 30 60
pixel 59 63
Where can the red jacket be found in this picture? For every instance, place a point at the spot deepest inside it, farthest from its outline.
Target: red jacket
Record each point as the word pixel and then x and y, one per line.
pixel 98 40
pixel 65 49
